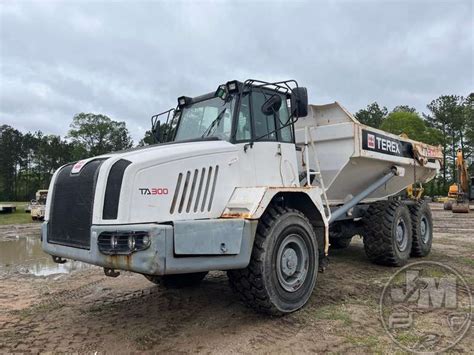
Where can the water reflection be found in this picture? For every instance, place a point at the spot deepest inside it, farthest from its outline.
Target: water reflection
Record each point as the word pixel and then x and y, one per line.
pixel 24 254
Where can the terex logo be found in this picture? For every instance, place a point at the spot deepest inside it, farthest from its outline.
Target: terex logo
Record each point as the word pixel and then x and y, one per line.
pixel 153 190
pixel 377 142
pixel 388 145
pixel 371 141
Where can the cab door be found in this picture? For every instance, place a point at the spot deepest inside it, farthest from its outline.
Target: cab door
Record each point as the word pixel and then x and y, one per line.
pixel 268 154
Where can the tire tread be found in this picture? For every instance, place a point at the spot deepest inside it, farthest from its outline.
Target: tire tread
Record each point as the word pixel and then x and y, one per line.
pixel 248 282
pixel 378 242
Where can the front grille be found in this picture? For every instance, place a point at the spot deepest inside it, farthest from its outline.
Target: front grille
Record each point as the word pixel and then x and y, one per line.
pixel 72 204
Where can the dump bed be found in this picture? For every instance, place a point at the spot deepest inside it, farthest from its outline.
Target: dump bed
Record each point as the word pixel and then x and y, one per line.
pixel 353 155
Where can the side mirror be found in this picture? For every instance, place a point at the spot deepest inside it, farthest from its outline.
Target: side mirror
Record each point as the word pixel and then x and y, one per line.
pixel 272 105
pixel 299 102
pixel 155 130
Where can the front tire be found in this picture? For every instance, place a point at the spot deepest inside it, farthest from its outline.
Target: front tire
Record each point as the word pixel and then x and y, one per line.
pixel 283 267
pixel 422 223
pixel 388 233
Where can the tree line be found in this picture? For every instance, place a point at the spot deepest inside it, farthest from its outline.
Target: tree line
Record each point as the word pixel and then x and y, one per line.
pixel 28 160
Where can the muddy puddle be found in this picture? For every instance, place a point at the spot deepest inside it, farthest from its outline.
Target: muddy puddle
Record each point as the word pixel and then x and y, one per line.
pixel 22 253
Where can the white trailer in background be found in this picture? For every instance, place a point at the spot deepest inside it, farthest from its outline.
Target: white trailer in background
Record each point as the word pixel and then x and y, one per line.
pixel 248 179
pixel 7 208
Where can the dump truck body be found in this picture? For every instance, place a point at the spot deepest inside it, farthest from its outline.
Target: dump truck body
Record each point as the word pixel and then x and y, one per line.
pixel 352 154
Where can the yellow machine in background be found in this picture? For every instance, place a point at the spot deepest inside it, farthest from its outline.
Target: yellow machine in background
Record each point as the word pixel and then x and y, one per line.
pixel 458 194
pixel 414 191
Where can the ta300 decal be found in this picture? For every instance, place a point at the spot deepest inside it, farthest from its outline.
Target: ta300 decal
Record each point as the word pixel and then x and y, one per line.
pixel 153 190
pixel 380 143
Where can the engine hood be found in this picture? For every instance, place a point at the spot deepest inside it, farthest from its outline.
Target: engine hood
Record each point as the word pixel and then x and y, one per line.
pixel 163 153
pixel 155 176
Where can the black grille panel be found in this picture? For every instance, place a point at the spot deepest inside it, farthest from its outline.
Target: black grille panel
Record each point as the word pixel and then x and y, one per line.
pixel 112 191
pixel 72 203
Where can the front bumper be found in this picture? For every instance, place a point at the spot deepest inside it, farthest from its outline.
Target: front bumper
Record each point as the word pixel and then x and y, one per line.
pixel 184 248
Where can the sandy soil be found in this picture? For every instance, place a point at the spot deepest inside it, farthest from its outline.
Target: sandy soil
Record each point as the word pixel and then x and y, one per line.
pixel 84 311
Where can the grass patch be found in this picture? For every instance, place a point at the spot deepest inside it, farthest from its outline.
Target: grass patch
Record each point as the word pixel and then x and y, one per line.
pixel 407 339
pixel 466 260
pixel 370 341
pixel 18 217
pixel 333 312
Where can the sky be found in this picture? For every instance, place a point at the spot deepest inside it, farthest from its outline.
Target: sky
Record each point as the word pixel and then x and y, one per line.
pixel 132 59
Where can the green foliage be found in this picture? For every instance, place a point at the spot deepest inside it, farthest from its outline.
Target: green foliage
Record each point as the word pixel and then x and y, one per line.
pixel 452 116
pixel 372 116
pixel 165 134
pixel 469 117
pixel 147 139
pixel 98 134
pixel 27 161
pixel 11 156
pixel 412 125
pixel 405 122
pixel 404 108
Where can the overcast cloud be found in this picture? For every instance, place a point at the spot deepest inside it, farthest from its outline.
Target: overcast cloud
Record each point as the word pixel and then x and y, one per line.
pixel 132 59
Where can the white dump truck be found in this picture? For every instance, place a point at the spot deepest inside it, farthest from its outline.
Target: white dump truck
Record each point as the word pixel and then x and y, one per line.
pixel 249 179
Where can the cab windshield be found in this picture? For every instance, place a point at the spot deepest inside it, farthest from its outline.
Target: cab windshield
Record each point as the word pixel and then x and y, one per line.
pixel 208 118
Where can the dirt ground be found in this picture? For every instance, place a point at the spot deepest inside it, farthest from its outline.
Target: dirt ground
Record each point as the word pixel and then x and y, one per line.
pixel 84 311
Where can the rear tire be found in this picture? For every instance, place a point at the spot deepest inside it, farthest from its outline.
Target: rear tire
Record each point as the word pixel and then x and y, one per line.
pixel 283 267
pixel 422 223
pixel 388 233
pixel 178 280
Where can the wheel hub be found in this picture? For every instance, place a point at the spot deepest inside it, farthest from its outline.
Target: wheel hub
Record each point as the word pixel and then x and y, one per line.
pixel 292 262
pixel 289 262
pixel 425 230
pixel 401 235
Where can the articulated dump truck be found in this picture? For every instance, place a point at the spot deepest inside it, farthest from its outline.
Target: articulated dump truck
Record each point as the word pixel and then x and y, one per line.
pixel 249 179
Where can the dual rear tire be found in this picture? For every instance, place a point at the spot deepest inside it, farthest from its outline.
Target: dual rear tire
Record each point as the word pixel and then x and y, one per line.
pixel 395 231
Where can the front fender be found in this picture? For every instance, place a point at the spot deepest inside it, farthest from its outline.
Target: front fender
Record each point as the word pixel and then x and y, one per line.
pixel 251 203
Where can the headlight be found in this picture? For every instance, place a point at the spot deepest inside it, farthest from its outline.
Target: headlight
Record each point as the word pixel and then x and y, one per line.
pixel 123 242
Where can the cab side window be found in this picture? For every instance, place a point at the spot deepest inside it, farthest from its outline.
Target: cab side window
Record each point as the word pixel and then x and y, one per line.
pixel 265 126
pixel 243 130
pixel 286 133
